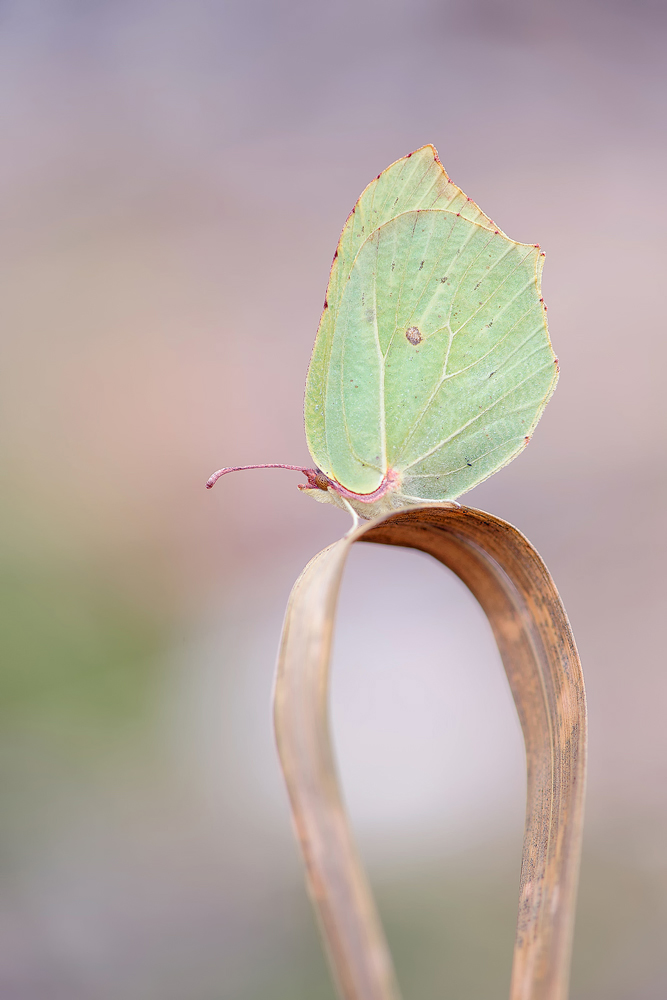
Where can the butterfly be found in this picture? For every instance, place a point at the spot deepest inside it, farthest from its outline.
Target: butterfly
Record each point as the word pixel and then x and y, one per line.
pixel 432 363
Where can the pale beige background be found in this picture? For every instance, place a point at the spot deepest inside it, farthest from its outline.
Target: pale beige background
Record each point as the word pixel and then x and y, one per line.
pixel 173 180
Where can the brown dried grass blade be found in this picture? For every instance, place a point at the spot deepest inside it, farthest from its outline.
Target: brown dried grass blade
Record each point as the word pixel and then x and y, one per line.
pixel 513 586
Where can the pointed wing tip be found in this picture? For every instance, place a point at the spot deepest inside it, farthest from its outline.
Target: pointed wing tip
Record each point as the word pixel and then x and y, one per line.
pixel 422 149
pixel 426 148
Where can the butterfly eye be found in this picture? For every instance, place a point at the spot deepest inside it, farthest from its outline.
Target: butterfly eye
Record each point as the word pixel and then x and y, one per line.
pixel 413 335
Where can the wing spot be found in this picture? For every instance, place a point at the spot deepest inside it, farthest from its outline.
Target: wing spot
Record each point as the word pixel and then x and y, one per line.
pixel 413 335
pixel 421 265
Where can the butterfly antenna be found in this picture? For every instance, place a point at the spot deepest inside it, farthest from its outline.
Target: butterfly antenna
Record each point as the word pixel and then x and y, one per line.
pixel 308 473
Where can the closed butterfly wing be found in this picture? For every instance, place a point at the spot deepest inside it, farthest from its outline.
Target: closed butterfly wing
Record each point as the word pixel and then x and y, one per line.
pixel 438 360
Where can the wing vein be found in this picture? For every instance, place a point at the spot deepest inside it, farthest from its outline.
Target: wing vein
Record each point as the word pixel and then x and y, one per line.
pixel 383 415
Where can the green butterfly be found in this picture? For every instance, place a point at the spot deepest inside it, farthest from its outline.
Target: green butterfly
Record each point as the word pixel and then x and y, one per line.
pixel 432 363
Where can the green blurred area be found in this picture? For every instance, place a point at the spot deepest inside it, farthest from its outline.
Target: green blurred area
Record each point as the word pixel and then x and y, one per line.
pixel 77 654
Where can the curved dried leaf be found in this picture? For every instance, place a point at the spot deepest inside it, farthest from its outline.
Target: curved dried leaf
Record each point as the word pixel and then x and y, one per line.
pixel 514 588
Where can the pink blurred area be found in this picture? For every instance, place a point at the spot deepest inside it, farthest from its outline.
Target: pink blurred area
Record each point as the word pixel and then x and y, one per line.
pixel 174 179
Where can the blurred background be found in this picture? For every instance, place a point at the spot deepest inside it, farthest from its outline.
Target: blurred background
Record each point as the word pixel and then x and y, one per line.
pixel 173 181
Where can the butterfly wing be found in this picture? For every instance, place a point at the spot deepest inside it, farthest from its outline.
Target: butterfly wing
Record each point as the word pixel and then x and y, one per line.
pixel 434 359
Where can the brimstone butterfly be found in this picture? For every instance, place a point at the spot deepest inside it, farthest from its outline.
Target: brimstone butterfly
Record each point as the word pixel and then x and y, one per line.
pixel 432 363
